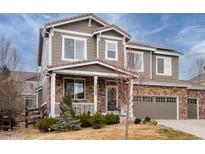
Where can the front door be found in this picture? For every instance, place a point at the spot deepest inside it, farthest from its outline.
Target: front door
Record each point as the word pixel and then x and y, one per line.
pixel 111 98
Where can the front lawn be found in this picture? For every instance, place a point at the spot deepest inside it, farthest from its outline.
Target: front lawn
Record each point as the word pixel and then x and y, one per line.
pixel 110 132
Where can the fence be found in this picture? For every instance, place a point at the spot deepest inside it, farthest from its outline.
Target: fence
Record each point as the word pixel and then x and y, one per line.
pixel 6 122
pixel 33 114
pixel 80 108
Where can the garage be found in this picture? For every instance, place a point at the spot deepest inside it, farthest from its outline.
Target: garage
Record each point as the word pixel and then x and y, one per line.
pixel 192 108
pixel 156 107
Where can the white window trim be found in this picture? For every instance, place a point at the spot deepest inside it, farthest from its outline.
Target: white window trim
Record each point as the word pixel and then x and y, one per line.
pixel 75 38
pixel 116 51
pixel 136 52
pixel 164 74
pixel 74 88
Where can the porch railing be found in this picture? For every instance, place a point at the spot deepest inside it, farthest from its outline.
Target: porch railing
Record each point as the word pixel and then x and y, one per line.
pixel 81 108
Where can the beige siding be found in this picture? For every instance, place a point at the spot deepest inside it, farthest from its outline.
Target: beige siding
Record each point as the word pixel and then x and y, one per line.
pixel 57 47
pixel 120 52
pixel 175 68
pixel 81 26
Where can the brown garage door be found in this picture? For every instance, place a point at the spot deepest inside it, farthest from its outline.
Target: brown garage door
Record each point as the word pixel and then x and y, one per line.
pixel 192 108
pixel 156 107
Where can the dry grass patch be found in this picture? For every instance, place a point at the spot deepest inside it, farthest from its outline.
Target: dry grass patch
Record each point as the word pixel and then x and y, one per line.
pixel 111 132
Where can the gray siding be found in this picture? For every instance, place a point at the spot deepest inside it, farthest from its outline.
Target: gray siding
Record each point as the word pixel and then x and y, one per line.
pixel 94 68
pixel 57 47
pixel 175 68
pixel 120 52
pixel 112 33
pixel 81 26
pixel 146 62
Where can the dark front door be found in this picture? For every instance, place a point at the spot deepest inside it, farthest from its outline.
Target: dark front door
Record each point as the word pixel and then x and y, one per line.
pixel 111 98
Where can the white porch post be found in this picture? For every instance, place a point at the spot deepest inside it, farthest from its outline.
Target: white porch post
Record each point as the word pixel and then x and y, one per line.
pixel 95 93
pixel 131 98
pixel 53 94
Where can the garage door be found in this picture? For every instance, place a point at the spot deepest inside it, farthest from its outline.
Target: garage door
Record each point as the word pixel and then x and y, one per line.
pixel 156 107
pixel 192 108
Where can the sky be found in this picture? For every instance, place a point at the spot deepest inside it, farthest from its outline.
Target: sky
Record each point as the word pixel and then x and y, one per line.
pixel 183 32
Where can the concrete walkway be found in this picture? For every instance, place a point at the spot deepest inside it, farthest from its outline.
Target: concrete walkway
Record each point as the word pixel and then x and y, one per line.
pixel 195 127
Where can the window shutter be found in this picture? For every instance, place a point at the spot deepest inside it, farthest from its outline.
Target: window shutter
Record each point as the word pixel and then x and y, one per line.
pixel 168 66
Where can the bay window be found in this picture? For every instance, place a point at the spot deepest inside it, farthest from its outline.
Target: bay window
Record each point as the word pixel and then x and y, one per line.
pixel 73 48
pixel 135 61
pixel 75 88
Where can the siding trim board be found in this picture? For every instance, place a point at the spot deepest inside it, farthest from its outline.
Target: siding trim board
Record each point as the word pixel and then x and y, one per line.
pixel 72 32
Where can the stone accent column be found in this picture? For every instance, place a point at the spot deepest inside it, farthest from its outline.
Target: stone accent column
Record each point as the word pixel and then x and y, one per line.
pixel 53 94
pixel 95 93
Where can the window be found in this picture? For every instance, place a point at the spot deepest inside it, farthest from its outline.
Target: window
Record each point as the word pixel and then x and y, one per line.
pixel 75 88
pixel 164 66
pixel 111 52
pixel 31 86
pixel 135 61
pixel 74 48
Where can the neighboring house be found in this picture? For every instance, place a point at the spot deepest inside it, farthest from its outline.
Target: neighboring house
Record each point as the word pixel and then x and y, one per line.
pixel 29 84
pixel 78 56
pixel 200 79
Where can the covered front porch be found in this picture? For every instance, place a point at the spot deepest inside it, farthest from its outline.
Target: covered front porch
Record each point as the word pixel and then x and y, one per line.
pixel 92 88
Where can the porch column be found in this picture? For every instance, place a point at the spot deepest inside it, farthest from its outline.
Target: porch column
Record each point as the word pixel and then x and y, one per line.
pixel 95 93
pixel 131 98
pixel 53 94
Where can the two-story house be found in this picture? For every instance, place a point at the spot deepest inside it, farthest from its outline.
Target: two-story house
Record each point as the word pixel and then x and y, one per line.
pixel 78 56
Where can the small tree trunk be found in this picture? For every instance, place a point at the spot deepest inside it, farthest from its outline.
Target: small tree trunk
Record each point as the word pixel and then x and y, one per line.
pixel 127 123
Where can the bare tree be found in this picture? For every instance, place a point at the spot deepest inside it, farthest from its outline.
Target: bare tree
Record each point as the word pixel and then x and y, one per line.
pixel 198 66
pixel 10 91
pixel 125 83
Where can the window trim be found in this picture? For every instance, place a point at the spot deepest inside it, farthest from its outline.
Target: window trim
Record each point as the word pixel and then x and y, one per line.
pixel 138 52
pixel 106 50
pixel 164 74
pixel 74 38
pixel 75 99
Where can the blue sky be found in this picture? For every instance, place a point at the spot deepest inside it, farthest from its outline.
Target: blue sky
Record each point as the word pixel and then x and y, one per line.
pixel 184 32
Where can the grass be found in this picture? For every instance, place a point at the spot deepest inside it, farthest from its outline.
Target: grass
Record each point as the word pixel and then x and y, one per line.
pixel 111 132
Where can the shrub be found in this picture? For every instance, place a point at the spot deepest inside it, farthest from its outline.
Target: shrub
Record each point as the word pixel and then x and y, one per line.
pixel 146 120
pixel 111 119
pixel 97 121
pixel 67 121
pixel 137 121
pixel 45 123
pixel 85 120
pixel 154 122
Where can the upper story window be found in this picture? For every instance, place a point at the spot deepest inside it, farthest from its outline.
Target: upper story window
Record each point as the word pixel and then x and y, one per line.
pixel 111 52
pixel 163 65
pixel 74 48
pixel 135 61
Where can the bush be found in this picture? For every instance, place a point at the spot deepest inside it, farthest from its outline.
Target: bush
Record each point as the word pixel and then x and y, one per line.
pixel 146 120
pixel 85 120
pixel 67 120
pixel 154 122
pixel 111 119
pixel 97 121
pixel 137 121
pixel 45 123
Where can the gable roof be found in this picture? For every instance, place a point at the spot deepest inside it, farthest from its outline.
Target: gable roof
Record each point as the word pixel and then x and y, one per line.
pixel 111 27
pixel 74 19
pixel 22 76
pixel 109 65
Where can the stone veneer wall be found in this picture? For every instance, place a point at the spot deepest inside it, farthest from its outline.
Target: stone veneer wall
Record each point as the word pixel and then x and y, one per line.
pixel 200 94
pixel 165 91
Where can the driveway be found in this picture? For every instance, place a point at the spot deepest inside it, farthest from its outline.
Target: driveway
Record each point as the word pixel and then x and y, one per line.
pixel 195 127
